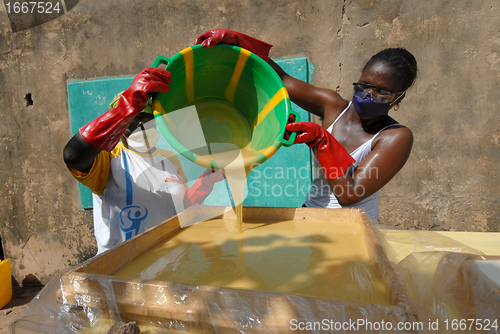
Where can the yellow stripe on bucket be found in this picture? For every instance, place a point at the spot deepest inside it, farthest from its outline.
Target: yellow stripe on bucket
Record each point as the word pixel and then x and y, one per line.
pixel 200 161
pixel 270 105
pixel 158 110
pixel 187 54
pixel 205 161
pixel 238 69
pixel 269 152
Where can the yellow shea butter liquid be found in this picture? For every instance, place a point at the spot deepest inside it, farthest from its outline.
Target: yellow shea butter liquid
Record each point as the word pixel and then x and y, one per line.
pixel 227 134
pixel 321 259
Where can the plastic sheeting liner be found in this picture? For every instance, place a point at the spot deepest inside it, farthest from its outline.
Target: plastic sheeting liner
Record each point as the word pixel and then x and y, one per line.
pixel 430 291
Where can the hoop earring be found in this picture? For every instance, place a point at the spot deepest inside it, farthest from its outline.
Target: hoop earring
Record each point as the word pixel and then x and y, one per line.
pixel 396 107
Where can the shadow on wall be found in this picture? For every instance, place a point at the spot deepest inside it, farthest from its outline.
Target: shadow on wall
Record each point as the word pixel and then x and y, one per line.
pixel 26 15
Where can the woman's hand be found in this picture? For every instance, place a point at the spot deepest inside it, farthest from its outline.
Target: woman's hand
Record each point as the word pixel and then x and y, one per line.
pixel 104 132
pixel 332 157
pixel 225 36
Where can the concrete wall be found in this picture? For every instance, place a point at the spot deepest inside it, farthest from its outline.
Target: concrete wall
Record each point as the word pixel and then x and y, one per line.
pixel 450 181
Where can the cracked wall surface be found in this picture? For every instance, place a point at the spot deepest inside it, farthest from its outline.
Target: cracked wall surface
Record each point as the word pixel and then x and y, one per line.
pixel 450 181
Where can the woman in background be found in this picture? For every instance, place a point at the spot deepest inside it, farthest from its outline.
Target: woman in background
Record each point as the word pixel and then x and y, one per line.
pixel 359 148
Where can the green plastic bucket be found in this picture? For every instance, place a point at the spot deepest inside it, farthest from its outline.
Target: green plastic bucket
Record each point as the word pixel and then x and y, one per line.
pixel 239 100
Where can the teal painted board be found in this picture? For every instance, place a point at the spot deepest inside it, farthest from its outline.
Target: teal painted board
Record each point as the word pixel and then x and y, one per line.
pixel 88 99
pixel 285 178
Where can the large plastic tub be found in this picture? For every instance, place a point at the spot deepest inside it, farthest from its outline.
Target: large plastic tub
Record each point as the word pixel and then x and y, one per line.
pixel 207 308
pixel 240 102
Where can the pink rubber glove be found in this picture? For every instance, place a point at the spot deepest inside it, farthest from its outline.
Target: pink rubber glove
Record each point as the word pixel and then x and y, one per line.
pixel 332 157
pixel 200 190
pixel 104 132
pixel 226 36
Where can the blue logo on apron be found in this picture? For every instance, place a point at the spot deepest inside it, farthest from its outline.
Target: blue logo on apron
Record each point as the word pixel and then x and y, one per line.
pixel 131 218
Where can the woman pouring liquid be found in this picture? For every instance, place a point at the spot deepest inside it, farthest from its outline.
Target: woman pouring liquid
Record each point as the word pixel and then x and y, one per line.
pixel 359 148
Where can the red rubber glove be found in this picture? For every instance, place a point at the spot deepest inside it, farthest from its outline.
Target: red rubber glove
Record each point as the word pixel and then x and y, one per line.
pixel 104 132
pixel 332 157
pixel 226 36
pixel 200 190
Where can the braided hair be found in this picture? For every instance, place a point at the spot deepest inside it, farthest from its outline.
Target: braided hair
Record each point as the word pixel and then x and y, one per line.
pixel 403 63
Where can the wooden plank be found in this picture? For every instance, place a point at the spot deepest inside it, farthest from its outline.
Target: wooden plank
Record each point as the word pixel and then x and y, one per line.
pixel 318 214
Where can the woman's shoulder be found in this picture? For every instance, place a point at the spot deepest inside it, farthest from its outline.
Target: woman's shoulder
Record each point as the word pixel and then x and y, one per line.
pixel 395 134
pixel 394 125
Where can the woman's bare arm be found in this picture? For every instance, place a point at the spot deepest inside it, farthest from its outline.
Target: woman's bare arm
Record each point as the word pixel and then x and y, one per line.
pixel 390 153
pixel 318 101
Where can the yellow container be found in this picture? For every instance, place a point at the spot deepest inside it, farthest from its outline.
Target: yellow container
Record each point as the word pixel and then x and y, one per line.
pixel 5 283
